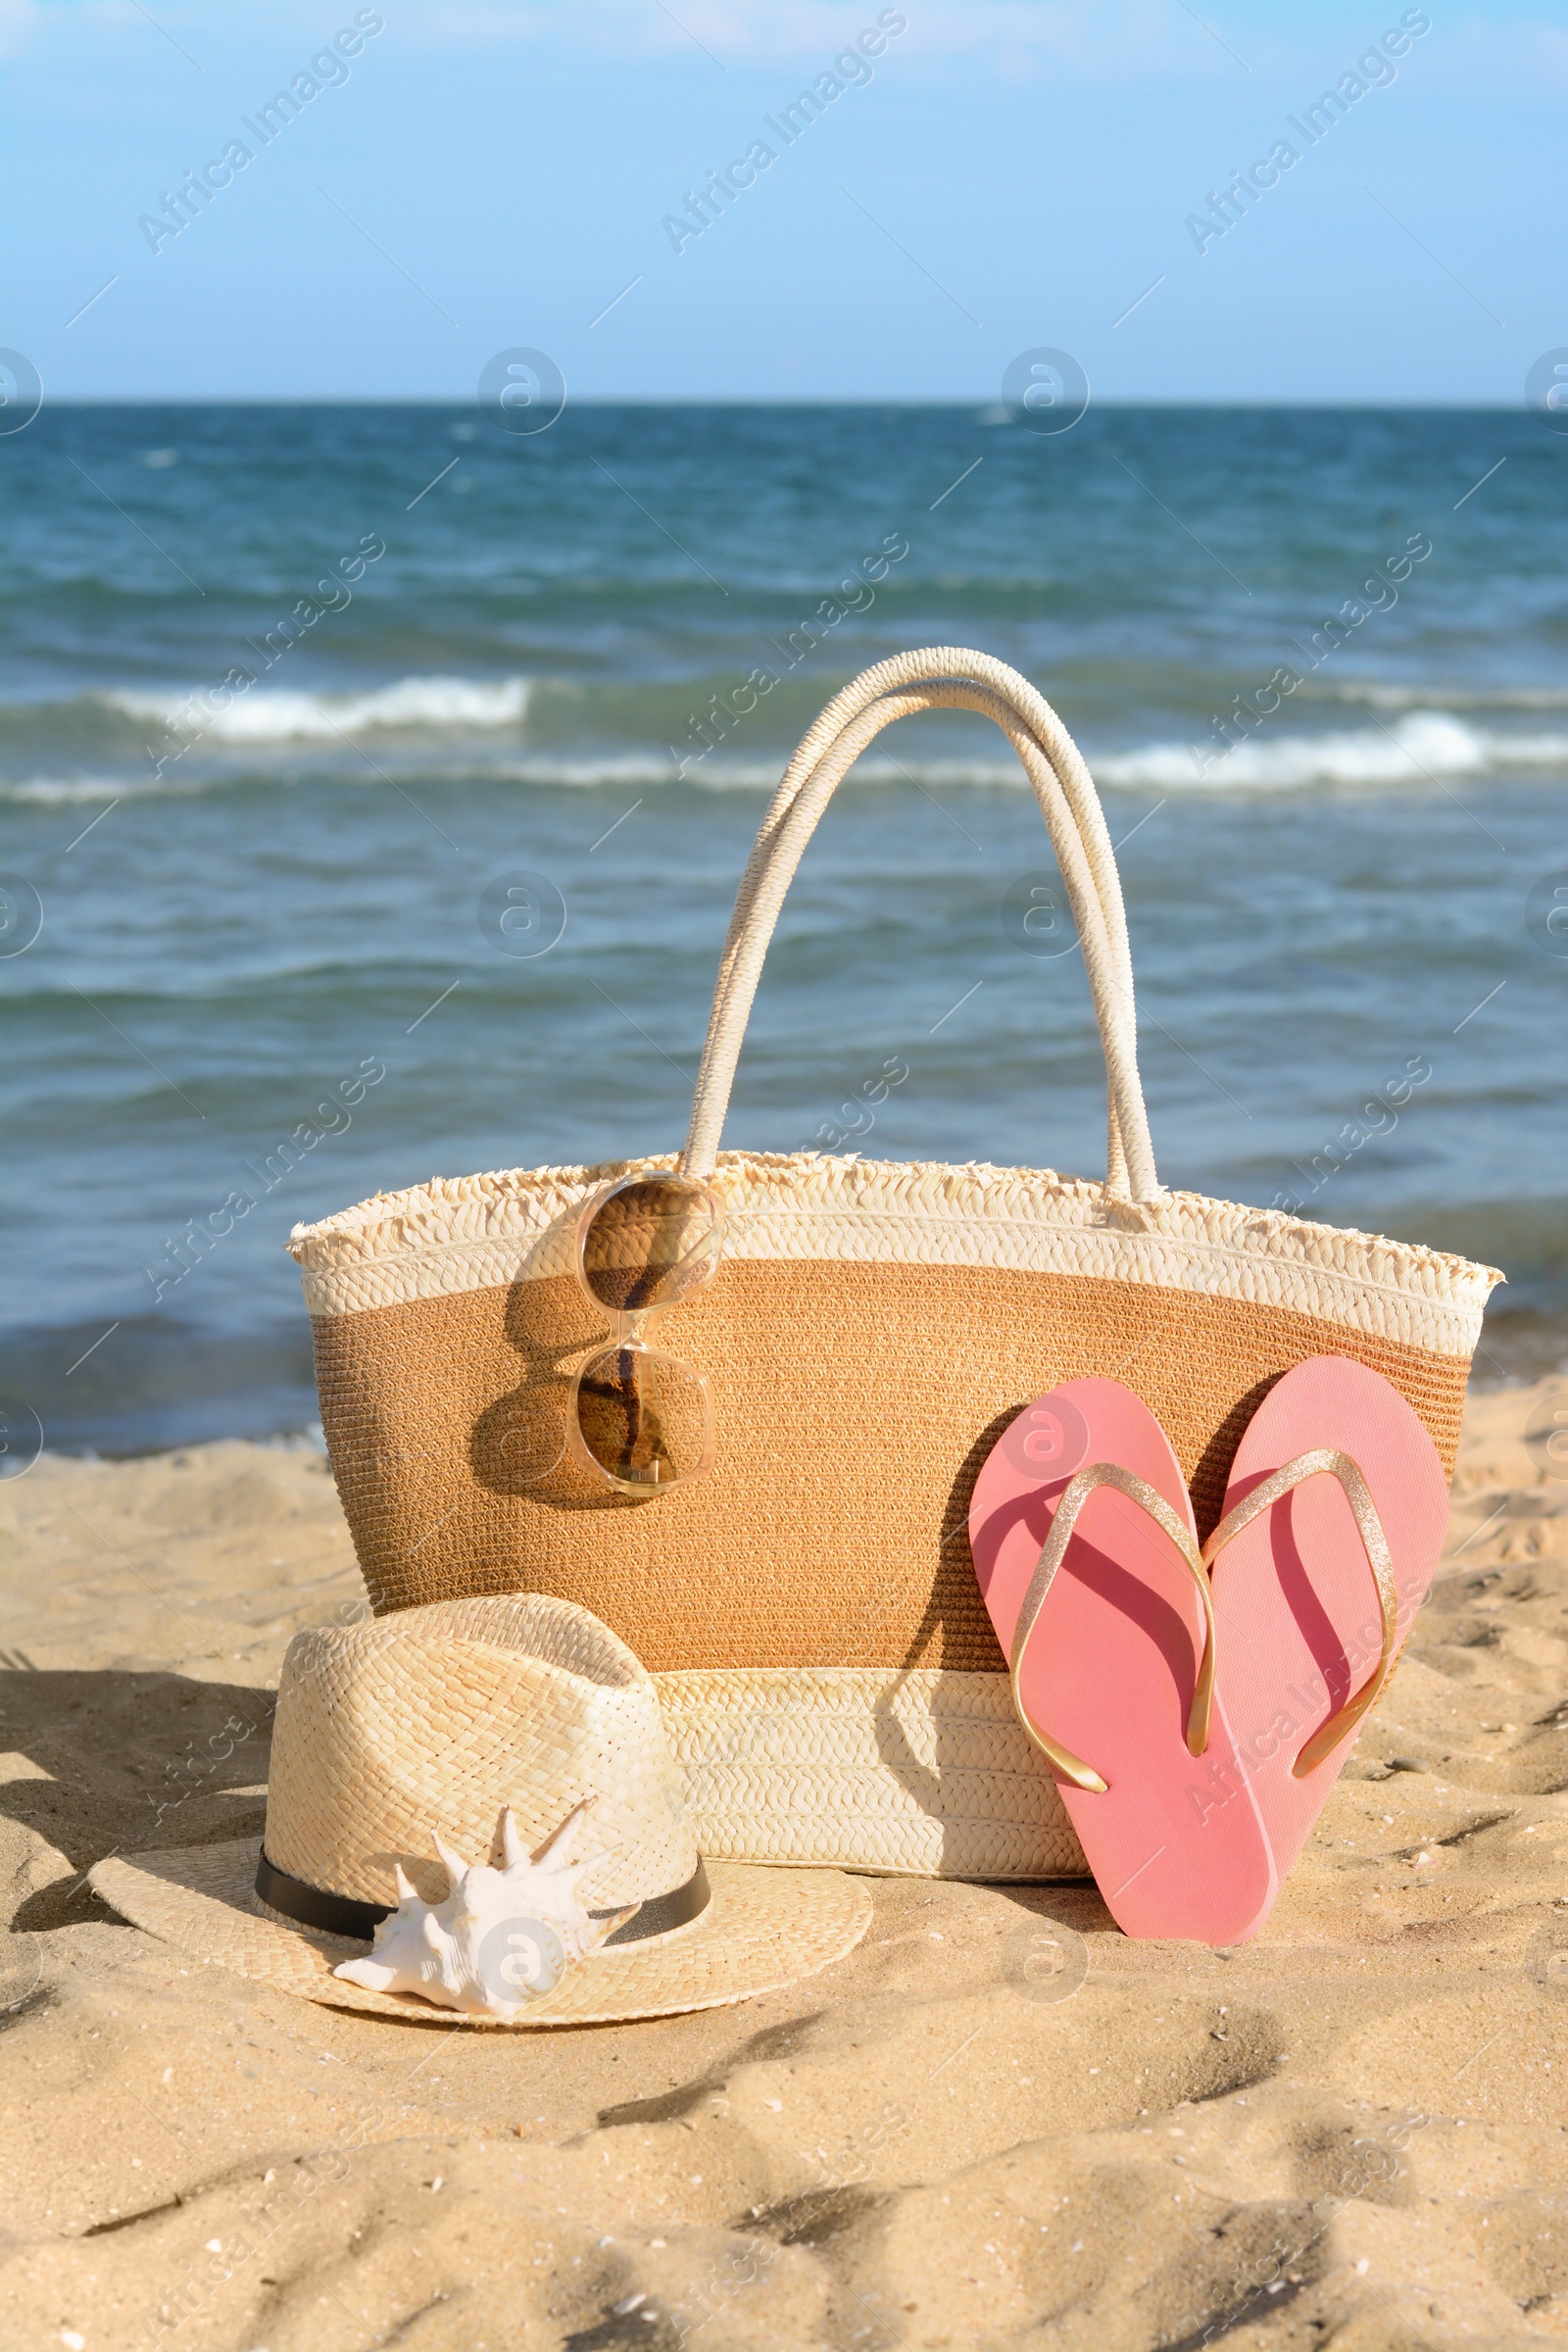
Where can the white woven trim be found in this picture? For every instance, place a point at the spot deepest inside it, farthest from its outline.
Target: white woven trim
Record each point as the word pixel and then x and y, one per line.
pixel 443 1238
pixel 923 1772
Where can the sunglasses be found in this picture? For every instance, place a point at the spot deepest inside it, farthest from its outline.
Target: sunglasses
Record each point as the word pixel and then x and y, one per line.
pixel 638 1418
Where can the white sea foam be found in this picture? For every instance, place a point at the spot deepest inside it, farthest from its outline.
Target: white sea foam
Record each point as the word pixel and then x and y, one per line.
pixel 1378 695
pixel 276 714
pixel 56 792
pixel 1423 746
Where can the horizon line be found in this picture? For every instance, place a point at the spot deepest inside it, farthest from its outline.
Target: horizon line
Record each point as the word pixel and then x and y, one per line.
pixel 676 399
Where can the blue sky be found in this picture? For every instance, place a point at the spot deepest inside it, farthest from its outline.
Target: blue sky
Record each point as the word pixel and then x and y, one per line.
pixel 1003 175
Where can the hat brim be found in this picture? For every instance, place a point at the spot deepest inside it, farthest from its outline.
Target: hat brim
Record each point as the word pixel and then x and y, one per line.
pixel 762 1929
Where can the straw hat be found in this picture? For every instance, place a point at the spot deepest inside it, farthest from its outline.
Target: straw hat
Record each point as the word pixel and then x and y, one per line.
pixel 484 1788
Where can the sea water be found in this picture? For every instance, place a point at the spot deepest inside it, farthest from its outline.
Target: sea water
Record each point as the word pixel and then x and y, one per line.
pixel 381 779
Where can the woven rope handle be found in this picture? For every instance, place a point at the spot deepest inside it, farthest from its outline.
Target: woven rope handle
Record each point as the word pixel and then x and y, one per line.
pixel 1018 697
pixel 950 678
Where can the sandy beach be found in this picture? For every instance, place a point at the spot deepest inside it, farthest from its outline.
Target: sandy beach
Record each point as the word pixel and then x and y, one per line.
pixel 481 486
pixel 982 2128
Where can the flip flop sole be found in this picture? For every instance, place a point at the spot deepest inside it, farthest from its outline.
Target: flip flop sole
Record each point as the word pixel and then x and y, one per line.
pixel 1295 1605
pixel 1111 1670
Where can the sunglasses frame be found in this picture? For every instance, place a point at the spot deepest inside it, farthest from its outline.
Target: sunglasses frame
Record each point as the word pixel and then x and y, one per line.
pixel 626 1336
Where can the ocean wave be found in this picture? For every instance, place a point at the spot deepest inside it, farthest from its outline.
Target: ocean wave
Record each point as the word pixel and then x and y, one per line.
pixel 55 792
pixel 1377 695
pixel 282 716
pixel 1425 745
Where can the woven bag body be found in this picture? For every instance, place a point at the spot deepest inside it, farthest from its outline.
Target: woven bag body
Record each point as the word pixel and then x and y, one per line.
pixel 829 1675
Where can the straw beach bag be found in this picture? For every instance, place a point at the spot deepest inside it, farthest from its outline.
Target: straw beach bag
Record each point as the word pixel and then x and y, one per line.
pixel 826 1667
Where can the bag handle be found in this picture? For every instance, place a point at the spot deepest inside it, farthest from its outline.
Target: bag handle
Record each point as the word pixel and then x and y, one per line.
pixel 950 678
pixel 1048 787
pixel 945 663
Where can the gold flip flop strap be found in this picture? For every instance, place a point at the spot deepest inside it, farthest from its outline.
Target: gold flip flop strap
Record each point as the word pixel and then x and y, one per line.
pixel 1150 1499
pixel 1328 1460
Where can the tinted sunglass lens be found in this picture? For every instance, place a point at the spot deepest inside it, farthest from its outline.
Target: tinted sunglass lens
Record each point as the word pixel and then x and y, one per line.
pixel 651 1242
pixel 645 1419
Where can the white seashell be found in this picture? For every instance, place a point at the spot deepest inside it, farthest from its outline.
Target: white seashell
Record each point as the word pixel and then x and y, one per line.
pixel 499 1940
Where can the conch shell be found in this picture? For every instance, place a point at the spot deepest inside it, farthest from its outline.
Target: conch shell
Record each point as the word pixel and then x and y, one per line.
pixel 499 1940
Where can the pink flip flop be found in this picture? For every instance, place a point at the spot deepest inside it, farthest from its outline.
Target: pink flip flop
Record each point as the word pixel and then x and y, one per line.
pixel 1083 1539
pixel 1334 1519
